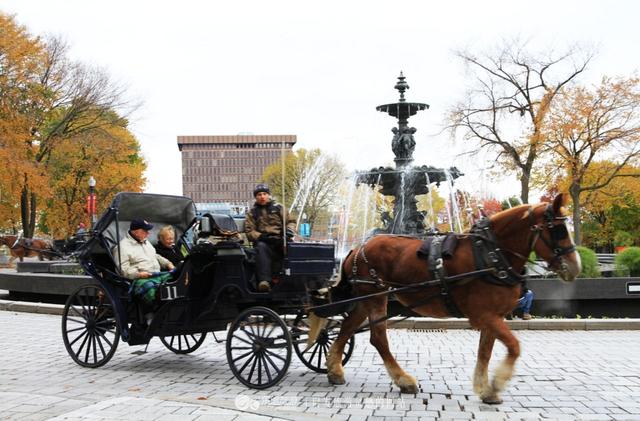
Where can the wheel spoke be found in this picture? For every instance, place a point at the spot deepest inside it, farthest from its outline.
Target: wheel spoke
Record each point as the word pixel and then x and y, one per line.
pixel 78 337
pixel 76 329
pixel 242 356
pixel 103 336
pixel 242 340
pixel 89 347
pixel 266 368
pixel 275 355
pixel 84 317
pixel 247 363
pixel 99 340
pixel 253 368
pixel 274 365
pixel 95 348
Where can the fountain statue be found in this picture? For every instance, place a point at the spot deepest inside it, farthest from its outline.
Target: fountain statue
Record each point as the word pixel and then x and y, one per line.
pixel 404 182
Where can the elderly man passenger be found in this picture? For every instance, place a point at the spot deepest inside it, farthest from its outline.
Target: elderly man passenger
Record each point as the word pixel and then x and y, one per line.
pixel 138 257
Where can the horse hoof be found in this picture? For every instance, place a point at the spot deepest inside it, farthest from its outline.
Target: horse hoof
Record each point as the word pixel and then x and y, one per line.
pixel 411 389
pixel 335 379
pixel 492 400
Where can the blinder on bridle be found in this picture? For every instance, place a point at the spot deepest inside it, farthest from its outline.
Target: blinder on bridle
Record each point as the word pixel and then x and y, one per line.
pixel 557 232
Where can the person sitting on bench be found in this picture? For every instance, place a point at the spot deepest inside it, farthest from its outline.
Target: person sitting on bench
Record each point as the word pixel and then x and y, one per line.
pixel 263 226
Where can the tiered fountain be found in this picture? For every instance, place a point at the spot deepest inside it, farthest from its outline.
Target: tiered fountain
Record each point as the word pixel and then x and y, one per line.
pixel 404 182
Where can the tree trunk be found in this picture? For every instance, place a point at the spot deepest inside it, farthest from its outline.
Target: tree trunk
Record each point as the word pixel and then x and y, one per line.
pixel 574 190
pixel 24 209
pixel 524 188
pixel 32 216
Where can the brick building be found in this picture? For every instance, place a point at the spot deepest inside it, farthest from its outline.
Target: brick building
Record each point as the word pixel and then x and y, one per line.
pixel 225 169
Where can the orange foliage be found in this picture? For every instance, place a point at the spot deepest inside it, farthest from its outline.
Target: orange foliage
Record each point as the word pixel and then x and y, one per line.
pixel 111 155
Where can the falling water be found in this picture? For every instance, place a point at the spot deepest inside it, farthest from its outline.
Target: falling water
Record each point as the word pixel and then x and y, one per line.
pixel 343 247
pixel 430 201
pixel 369 200
pixel 305 187
pixel 454 201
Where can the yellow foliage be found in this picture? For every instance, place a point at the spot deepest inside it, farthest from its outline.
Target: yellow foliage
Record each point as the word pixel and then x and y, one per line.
pixel 110 155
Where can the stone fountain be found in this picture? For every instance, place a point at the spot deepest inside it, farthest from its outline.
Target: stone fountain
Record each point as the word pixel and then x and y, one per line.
pixel 404 182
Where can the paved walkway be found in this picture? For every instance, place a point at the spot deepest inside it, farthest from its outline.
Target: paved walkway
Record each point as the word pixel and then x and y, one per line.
pixel 563 375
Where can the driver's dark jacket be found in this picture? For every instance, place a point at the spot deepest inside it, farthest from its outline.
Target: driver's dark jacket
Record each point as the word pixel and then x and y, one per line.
pixel 266 219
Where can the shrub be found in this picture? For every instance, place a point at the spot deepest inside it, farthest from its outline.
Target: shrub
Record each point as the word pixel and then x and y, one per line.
pixel 623 239
pixel 589 263
pixel 629 259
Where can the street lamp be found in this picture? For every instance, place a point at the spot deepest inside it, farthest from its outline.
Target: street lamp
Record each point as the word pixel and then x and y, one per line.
pixel 91 201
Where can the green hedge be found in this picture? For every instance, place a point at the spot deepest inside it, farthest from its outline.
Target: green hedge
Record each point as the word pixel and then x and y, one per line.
pixel 589 263
pixel 628 261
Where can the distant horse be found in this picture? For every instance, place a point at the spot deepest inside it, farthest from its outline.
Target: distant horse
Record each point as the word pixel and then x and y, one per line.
pixel 28 247
pixel 483 279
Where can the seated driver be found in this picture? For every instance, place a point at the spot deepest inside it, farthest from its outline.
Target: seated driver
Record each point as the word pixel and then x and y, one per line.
pixel 263 226
pixel 138 257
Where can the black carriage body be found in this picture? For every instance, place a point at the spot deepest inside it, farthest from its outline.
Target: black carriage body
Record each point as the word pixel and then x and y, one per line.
pixel 215 283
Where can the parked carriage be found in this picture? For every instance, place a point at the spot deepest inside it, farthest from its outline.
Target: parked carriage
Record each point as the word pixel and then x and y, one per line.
pixel 212 290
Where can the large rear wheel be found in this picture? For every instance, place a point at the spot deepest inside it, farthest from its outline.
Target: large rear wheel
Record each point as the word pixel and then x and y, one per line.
pixel 258 348
pixel 89 328
pixel 315 357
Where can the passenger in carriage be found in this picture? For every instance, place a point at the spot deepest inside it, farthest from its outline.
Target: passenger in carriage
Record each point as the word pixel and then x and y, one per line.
pixel 166 246
pixel 138 258
pixel 264 228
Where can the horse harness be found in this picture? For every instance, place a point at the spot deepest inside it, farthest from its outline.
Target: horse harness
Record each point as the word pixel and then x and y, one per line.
pixel 491 263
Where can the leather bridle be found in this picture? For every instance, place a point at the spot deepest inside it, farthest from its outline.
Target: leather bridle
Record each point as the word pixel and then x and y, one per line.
pixel 557 232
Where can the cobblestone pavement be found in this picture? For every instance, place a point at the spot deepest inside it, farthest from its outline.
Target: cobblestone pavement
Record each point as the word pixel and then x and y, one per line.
pixel 565 375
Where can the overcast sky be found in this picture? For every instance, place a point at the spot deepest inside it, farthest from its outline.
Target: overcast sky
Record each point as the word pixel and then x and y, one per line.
pixel 314 69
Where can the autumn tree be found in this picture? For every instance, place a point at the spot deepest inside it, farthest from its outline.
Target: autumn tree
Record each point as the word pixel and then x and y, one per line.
pixel 21 61
pixel 57 100
pixel 505 109
pixel 311 182
pixel 586 126
pixel 111 154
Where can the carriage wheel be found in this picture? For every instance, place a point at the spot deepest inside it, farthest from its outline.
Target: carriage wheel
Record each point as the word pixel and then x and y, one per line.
pixel 89 328
pixel 258 348
pixel 183 344
pixel 316 356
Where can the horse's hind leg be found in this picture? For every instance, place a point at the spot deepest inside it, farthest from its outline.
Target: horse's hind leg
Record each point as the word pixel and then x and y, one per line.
pixel 377 308
pixel 347 330
pixel 504 371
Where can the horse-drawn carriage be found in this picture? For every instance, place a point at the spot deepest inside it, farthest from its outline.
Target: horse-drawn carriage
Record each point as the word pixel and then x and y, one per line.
pixel 212 290
pixel 479 277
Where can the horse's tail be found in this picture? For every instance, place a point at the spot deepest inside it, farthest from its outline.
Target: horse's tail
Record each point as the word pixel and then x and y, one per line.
pixel 340 290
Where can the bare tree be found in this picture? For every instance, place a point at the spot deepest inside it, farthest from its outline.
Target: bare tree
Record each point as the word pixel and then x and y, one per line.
pixel 593 137
pixel 505 108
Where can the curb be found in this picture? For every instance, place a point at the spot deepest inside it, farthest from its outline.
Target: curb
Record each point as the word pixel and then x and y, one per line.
pixel 413 323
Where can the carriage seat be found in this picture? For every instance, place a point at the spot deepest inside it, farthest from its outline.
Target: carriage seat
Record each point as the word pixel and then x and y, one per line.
pixel 217 228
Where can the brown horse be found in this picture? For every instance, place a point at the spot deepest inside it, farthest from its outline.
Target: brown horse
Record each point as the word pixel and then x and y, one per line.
pixel 503 244
pixel 27 247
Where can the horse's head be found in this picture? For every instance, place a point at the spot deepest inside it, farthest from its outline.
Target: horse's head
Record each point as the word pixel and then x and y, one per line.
pixel 551 239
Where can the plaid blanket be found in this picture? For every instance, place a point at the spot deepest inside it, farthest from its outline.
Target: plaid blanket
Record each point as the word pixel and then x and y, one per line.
pixel 146 289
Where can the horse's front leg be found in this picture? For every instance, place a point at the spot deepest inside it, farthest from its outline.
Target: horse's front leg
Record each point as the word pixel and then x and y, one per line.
pixel 377 309
pixel 481 376
pixel 497 328
pixel 335 371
